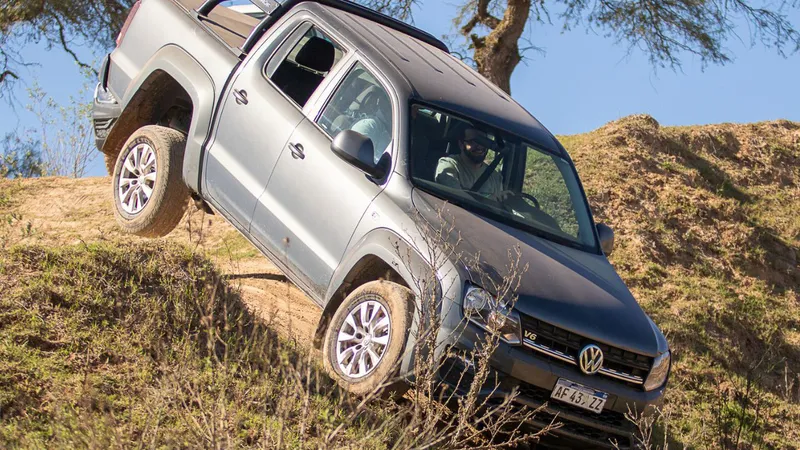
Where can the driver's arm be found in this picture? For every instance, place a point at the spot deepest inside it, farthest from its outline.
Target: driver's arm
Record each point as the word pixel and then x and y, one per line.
pixel 494 188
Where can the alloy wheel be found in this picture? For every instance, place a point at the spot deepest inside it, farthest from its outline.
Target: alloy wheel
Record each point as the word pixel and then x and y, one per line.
pixel 363 339
pixel 137 178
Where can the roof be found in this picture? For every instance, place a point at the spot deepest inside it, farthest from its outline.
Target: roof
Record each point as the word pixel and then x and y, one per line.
pixel 442 80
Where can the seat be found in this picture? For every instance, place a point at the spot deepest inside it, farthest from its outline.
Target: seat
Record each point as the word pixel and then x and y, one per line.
pixel 300 78
pixel 427 146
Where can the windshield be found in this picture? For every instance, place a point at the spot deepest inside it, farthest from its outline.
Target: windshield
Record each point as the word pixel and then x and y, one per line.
pixel 499 175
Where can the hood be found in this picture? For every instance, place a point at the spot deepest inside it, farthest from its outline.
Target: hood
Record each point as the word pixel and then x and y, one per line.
pixel 566 287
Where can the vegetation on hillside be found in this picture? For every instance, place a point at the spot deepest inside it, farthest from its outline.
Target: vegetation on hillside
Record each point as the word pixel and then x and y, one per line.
pixel 107 344
pixel 708 234
pixel 144 345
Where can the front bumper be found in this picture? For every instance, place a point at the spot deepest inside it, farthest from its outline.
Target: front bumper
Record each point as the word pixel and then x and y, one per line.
pixel 533 376
pixel 105 111
pixel 105 107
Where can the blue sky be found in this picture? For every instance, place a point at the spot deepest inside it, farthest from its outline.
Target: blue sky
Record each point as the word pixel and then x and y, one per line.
pixel 582 81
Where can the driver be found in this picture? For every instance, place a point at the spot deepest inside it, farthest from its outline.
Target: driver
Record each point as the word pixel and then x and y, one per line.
pixel 461 171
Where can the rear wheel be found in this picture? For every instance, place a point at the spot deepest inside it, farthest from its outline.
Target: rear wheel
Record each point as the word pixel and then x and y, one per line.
pixel 149 194
pixel 367 336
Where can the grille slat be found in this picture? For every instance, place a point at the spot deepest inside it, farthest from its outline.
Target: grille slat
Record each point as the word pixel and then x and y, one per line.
pixel 623 428
pixel 564 346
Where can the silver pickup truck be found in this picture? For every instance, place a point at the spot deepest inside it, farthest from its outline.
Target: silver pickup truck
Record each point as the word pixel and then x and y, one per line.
pixel 324 132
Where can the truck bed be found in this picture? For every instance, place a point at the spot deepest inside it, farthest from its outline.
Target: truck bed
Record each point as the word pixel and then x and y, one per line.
pixel 233 27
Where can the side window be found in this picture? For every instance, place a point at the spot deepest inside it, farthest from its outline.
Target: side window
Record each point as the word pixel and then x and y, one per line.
pixel 301 72
pixel 360 104
pixel 543 180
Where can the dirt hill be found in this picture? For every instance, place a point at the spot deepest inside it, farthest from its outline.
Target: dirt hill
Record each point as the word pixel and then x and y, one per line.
pixel 708 239
pixel 708 232
pixel 63 211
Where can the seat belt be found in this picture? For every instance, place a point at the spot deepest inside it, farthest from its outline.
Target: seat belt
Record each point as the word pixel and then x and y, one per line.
pixel 488 172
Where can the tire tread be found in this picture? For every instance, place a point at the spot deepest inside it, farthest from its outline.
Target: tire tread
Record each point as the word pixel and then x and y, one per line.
pixel 169 200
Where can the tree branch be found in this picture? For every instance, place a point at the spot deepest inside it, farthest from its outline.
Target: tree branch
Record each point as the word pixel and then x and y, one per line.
pixel 482 16
pixel 65 46
pixel 399 9
pixel 8 74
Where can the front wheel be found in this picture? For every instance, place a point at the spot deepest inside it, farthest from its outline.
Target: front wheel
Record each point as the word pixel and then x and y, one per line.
pixel 149 194
pixel 367 336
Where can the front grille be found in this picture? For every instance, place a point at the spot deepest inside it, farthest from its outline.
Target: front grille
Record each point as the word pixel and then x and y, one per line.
pixel 563 346
pixel 563 413
pixel 600 437
pixel 608 429
pixel 541 396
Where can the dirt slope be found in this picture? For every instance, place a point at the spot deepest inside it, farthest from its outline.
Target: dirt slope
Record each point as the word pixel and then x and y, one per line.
pixel 60 211
pixel 708 239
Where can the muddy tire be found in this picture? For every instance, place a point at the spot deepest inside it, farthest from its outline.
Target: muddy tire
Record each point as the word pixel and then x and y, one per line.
pixel 150 197
pixel 371 358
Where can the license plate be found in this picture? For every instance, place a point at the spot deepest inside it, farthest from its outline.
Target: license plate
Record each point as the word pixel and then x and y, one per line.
pixel 579 395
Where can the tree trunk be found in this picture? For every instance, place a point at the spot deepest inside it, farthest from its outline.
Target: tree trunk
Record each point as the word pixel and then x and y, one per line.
pixel 497 54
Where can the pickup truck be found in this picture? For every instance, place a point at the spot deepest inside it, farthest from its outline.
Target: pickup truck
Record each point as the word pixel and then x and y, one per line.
pixel 324 132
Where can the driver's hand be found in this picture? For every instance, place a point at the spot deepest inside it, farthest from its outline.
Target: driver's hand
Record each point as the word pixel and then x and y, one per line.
pixel 501 196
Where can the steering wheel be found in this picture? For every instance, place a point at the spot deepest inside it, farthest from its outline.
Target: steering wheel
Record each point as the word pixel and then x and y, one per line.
pixel 531 198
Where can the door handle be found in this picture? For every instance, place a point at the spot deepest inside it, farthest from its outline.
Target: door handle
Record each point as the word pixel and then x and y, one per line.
pixel 241 96
pixel 297 151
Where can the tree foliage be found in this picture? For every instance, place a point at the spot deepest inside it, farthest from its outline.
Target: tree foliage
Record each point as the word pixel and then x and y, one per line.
pixel 20 158
pixel 58 23
pixel 64 132
pixel 665 31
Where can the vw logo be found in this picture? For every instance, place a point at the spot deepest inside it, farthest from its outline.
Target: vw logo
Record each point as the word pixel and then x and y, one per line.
pixel 590 359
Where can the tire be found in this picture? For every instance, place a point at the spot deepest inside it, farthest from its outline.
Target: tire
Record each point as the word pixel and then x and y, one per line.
pixel 160 213
pixel 399 302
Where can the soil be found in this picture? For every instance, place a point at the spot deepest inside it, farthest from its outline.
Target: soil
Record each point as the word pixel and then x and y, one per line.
pixel 64 211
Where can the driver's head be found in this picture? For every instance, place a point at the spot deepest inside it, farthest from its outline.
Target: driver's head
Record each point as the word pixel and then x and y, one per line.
pixel 475 144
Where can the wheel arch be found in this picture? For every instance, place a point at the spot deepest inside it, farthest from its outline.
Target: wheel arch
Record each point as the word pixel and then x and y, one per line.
pixel 380 255
pixel 172 83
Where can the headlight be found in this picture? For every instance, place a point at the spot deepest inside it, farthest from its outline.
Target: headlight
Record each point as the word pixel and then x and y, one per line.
pixel 103 96
pixel 484 310
pixel 659 372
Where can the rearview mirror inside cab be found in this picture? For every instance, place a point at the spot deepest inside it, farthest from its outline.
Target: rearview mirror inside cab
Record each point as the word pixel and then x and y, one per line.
pixel 606 238
pixel 358 150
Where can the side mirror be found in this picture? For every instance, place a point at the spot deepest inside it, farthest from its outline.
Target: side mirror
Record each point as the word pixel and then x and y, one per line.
pixel 358 151
pixel 606 238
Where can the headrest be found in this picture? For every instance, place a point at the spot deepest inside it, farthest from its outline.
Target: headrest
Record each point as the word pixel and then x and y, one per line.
pixel 369 97
pixel 318 54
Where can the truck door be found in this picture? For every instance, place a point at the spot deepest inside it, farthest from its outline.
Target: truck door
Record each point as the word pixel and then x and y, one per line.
pixel 264 105
pixel 315 200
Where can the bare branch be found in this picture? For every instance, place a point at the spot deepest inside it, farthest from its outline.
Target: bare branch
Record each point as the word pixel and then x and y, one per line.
pixel 399 9
pixel 8 74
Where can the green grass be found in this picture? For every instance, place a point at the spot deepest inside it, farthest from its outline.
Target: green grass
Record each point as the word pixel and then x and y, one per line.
pixel 234 247
pixel 142 345
pixel 544 180
pixel 707 240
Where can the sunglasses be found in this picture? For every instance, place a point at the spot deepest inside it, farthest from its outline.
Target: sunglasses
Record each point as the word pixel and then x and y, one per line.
pixel 476 146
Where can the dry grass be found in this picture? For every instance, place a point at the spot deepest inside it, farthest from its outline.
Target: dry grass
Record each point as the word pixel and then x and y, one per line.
pixel 120 346
pixel 707 239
